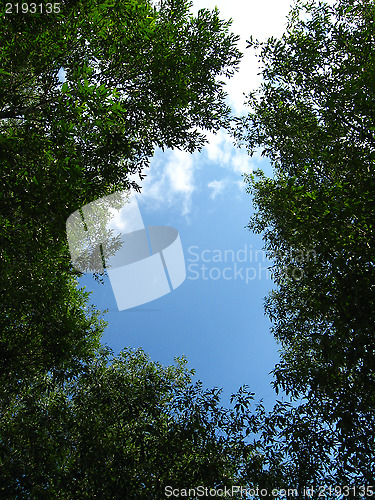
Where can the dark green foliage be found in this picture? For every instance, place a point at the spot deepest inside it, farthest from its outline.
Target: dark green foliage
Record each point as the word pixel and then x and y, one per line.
pixel 314 118
pixel 123 428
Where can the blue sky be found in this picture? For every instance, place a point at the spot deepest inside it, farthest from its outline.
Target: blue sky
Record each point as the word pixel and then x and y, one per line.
pixel 216 317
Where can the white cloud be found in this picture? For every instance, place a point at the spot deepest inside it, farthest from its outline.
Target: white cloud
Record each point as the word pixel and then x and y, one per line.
pixel 128 218
pixel 170 180
pixel 179 170
pixel 220 149
pixel 217 187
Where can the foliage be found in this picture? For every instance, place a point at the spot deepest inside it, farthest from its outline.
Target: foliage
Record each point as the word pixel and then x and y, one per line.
pixel 313 117
pixel 124 428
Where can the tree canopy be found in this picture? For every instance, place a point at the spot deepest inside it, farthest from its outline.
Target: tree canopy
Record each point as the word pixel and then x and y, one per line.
pixel 124 428
pixel 313 117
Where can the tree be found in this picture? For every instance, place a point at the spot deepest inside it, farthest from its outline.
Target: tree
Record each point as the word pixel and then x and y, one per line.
pixel 135 77
pixel 313 117
pixel 124 428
